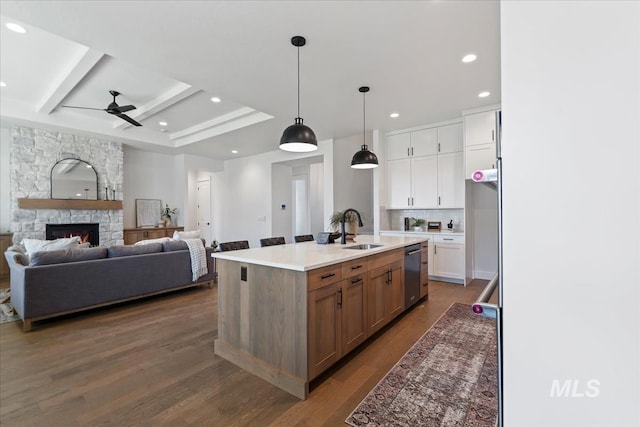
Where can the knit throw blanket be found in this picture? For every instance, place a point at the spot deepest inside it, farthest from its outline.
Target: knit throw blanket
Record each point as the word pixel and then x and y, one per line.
pixel 198 258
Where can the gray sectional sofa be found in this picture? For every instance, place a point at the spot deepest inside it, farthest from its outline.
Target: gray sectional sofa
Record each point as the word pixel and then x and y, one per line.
pixel 65 281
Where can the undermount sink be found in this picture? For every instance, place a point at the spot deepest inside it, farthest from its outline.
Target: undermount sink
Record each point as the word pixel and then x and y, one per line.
pixel 363 246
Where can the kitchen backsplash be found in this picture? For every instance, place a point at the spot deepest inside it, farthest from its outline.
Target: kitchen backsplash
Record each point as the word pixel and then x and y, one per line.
pixel 395 218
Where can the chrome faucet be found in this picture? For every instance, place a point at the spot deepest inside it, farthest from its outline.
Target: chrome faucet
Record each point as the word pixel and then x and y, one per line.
pixel 343 239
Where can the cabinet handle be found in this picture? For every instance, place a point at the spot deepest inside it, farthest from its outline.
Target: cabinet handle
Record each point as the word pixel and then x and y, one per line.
pixel 412 201
pixel 425 263
pixel 354 281
pixel 412 151
pixel 447 238
pixel 492 135
pixel 438 147
pixel 438 200
pixel 389 277
pixel 492 166
pixel 408 152
pixel 340 298
pixel 326 276
pixel 435 249
pixel 408 201
pixel 355 267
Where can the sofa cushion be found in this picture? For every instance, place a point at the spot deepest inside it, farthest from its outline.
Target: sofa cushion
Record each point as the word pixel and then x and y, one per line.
pixel 126 250
pixel 181 235
pixel 35 245
pixel 174 245
pixel 150 241
pixel 67 255
pixel 17 248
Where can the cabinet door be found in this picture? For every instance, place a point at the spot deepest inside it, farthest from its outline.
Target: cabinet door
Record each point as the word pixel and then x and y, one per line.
pixel 480 128
pixel 395 291
pixel 450 138
pixel 424 182
pixel 325 326
pixel 155 234
pixel 424 142
pixel 376 295
pixel 399 184
pixel 479 157
pixel 354 320
pixel 451 180
pixel 424 267
pixel 398 146
pixel 448 260
pixel 131 237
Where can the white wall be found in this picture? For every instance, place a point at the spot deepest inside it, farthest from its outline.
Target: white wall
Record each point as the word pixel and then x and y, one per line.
pixel 247 201
pixel 5 188
pixel 353 187
pixel 149 176
pixel 316 198
pixel 281 195
pixel 570 98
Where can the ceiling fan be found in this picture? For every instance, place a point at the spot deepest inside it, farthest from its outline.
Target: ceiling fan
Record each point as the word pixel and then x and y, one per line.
pixel 113 108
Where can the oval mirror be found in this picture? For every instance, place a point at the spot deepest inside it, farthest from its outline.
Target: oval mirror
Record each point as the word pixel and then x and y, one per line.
pixel 74 179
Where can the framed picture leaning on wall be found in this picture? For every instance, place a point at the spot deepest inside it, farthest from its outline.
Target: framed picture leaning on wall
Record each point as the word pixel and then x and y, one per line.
pixel 148 212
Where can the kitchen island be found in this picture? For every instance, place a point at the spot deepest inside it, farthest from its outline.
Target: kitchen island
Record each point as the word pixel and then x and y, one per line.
pixel 288 312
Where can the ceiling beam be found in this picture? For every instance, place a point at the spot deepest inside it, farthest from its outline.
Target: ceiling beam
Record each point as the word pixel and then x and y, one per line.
pixel 85 61
pixel 176 94
pixel 234 120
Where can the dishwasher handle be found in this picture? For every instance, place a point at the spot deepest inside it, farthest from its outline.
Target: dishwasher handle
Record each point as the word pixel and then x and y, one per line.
pixel 413 252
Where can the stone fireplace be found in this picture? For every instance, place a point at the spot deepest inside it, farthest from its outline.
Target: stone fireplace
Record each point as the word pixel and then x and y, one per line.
pixel 33 153
pixel 87 232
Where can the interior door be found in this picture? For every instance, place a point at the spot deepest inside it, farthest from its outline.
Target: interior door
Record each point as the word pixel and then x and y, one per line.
pixel 204 210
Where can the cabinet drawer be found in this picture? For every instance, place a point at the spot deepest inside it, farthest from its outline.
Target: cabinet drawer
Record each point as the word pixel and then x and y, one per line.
pixel 385 258
pixel 323 276
pixel 448 239
pixel 355 267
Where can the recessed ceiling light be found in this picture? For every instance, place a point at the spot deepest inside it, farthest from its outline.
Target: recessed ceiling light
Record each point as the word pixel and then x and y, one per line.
pixel 162 123
pixel 78 195
pixel 215 99
pixel 234 151
pixel 484 94
pixel 394 115
pixel 16 28
pixel 469 58
pixel 3 84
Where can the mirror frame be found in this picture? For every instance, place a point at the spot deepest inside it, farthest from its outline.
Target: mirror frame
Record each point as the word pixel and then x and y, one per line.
pixel 79 161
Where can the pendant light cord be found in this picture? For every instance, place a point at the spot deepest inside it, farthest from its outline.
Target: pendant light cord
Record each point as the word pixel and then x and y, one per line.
pixel 364 128
pixel 298 81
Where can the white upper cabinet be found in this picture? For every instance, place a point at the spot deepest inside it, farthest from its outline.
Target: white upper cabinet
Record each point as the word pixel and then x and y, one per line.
pixel 451 180
pixel 398 146
pixel 450 138
pixel 480 128
pixel 424 182
pixel 424 142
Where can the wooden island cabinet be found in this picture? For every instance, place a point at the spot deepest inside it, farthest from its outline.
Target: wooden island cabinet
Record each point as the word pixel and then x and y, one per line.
pixel 133 235
pixel 287 313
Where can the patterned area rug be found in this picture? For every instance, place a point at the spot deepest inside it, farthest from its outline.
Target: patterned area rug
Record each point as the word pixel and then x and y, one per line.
pixel 7 313
pixel 448 378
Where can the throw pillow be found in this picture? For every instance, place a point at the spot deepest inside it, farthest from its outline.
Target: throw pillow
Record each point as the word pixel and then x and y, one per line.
pixel 181 235
pixel 17 248
pixel 149 241
pixel 35 245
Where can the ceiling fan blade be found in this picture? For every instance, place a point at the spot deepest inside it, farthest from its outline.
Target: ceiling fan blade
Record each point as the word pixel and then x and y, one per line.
pixel 128 119
pixel 125 108
pixel 83 108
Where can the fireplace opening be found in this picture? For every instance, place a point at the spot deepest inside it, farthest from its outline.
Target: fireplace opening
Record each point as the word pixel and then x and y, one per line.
pixel 87 232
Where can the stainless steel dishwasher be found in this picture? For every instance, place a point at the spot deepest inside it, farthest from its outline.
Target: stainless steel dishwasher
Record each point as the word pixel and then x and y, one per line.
pixel 411 275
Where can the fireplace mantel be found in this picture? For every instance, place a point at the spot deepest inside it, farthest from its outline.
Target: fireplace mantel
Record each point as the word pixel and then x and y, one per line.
pixel 69 204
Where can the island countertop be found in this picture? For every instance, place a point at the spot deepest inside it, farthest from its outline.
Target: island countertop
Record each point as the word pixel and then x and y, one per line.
pixel 305 256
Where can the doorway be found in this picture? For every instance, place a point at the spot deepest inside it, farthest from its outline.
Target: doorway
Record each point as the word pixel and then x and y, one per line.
pixel 204 209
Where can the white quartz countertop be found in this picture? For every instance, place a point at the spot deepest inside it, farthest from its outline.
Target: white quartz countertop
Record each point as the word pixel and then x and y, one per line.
pixel 306 256
pixel 427 233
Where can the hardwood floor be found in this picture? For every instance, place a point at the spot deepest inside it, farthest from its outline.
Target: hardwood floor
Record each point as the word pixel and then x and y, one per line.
pixel 151 362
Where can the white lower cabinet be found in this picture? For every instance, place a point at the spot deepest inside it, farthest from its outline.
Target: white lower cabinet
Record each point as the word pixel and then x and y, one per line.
pixel 448 257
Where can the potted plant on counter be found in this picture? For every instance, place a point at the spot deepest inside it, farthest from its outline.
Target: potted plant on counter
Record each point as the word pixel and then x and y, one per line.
pixel 351 226
pixel 418 224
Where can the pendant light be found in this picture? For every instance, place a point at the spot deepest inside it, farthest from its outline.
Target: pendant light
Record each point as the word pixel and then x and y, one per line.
pixel 298 138
pixel 364 159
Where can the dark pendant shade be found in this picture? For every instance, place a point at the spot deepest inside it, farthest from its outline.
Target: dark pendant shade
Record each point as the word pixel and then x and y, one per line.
pixel 298 138
pixel 364 159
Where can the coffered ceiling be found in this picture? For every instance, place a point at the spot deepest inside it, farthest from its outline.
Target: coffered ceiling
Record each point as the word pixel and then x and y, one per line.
pixel 169 58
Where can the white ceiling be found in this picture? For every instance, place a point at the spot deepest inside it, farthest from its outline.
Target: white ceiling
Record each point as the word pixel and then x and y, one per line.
pixel 168 58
